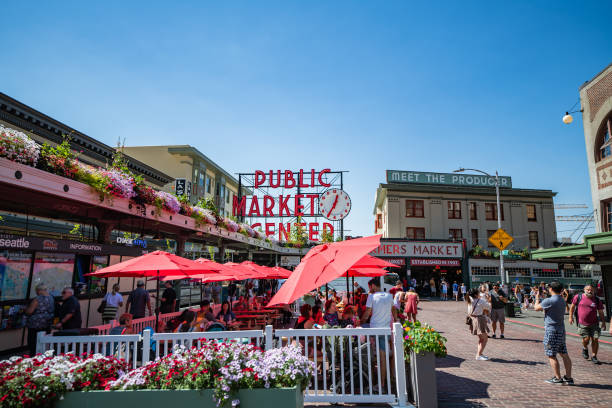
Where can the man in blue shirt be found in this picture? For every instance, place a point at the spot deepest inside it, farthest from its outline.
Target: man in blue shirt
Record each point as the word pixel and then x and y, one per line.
pixel 554 333
pixel 456 291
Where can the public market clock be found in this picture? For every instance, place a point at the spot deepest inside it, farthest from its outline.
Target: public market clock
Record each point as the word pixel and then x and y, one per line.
pixel 334 204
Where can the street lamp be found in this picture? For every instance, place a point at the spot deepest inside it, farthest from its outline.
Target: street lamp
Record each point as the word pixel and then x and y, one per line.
pixel 496 177
pixel 568 118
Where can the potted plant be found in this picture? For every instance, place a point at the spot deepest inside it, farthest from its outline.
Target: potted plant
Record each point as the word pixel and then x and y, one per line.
pixel 18 147
pixel 422 344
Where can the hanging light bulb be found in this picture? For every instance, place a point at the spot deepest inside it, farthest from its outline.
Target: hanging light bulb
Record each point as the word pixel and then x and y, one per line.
pixel 567 119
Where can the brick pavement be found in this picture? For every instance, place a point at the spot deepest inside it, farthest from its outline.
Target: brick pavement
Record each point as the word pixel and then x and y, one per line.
pixel 514 377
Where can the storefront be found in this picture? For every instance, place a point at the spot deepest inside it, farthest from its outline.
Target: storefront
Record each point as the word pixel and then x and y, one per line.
pixel 425 260
pixel 26 262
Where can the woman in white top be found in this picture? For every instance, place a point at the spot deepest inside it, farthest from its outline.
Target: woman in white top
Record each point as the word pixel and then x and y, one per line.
pixel 477 310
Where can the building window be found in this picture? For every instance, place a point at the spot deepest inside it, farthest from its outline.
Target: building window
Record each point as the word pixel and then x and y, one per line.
pixel 15 269
pixel 491 211
pixel 414 208
pixel 454 210
pixel 531 212
pixel 485 270
pixel 415 233
pixel 208 182
pixel 378 221
pixel 533 239
pixel 53 270
pixel 607 216
pixel 546 273
pixel 455 233
pixel 518 271
pixel 473 215
pixel 603 141
pixel 474 237
pixel 489 233
pixel 227 196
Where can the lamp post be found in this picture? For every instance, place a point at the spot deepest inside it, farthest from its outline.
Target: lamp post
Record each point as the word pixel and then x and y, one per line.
pixel 496 177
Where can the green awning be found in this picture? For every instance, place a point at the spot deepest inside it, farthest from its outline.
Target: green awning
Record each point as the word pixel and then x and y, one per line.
pixel 594 244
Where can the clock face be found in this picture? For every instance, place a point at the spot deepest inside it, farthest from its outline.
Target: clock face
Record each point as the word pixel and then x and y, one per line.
pixel 334 204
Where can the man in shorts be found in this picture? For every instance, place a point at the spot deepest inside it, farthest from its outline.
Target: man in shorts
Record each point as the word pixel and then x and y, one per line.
pixel 456 291
pixel 498 309
pixel 380 310
pixel 589 307
pixel 554 333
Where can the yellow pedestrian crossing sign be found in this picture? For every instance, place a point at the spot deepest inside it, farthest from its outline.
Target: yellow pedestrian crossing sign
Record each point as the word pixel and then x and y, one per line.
pixel 500 239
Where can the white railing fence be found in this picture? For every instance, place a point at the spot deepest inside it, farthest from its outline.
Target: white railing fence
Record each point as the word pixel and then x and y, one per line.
pixel 357 365
pixel 352 365
pixel 121 346
pixel 162 343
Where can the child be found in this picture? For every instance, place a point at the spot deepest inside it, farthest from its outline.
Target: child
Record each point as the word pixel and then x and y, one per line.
pixel 349 318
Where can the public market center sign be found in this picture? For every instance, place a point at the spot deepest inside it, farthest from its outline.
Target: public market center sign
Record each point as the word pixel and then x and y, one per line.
pixel 448 179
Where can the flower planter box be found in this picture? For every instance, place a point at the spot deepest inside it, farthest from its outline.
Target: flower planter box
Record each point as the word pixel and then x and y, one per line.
pixel 249 398
pixel 423 379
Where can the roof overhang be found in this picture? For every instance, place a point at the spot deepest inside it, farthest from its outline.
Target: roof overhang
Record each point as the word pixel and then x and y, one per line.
pixel 595 247
pixel 439 189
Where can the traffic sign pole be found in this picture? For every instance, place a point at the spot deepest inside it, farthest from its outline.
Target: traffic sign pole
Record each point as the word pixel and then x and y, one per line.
pixel 501 257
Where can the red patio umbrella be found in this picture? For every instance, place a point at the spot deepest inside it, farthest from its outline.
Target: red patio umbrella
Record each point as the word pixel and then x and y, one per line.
pixel 241 272
pixel 277 272
pixel 154 264
pixel 260 270
pixel 365 272
pixel 323 264
pixel 370 261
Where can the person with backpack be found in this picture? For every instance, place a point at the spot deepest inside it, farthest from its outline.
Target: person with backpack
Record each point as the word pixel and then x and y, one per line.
pixel 584 310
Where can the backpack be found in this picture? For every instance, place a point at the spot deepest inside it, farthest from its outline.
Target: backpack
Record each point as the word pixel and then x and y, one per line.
pixel 597 302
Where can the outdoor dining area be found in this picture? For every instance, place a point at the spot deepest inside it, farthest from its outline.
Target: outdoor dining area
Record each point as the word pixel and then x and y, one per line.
pixel 351 359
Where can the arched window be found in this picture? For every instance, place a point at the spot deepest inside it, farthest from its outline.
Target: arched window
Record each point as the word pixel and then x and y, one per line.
pixel 603 143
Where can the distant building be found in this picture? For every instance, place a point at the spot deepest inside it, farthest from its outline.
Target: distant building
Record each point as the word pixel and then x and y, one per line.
pixel 446 209
pixel 193 172
pixel 429 209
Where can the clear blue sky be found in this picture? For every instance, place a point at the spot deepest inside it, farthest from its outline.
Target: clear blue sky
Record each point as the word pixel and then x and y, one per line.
pixel 355 85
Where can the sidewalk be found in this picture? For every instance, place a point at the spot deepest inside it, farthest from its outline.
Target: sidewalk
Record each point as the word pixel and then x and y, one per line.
pixel 514 377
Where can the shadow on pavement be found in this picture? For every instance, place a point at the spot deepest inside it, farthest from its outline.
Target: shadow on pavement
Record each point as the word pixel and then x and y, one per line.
pixel 527 340
pixel 449 361
pixel 595 386
pixel 523 362
pixel 456 391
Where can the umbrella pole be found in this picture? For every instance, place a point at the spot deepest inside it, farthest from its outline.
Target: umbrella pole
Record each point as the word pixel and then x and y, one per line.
pixel 156 306
pixel 354 301
pixel 200 292
pixel 347 289
pixel 326 292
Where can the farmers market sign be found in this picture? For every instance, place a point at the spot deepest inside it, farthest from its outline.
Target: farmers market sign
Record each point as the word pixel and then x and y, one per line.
pixel 418 249
pixel 449 179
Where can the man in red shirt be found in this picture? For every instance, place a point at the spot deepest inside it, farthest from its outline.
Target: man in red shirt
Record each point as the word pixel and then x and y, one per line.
pixel 589 306
pixel 396 288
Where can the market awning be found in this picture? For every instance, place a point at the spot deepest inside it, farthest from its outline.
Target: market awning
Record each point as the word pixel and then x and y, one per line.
pixel 596 247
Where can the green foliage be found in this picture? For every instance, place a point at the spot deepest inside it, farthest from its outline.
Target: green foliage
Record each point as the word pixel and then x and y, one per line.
pixel 339 239
pixel 208 204
pixel 479 251
pixel 211 252
pixel 59 159
pixel 76 231
pixel 119 161
pixel 298 236
pixel 422 338
pixel 327 236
